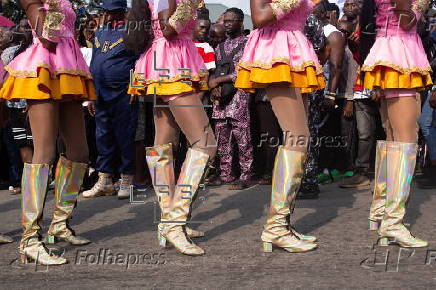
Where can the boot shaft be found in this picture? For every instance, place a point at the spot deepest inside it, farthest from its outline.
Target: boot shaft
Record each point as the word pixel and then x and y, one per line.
pixel 34 190
pixel 401 161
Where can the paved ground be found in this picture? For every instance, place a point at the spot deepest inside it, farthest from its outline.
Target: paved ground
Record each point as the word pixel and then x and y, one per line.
pixel 233 222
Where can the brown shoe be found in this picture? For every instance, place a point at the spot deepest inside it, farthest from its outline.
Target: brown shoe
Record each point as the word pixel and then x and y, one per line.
pixel 357 180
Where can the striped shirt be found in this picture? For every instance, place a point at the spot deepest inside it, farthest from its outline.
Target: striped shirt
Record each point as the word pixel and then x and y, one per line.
pixel 207 54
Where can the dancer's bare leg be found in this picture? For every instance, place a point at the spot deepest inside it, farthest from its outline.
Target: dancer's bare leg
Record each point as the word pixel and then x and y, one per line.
pixel 73 131
pixel 44 116
pixel 289 107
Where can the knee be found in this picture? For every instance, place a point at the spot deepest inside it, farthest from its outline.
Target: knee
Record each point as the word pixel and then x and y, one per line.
pixel 209 147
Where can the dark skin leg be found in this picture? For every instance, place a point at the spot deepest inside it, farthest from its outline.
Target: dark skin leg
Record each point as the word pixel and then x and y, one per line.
pixel 140 177
pixel 26 153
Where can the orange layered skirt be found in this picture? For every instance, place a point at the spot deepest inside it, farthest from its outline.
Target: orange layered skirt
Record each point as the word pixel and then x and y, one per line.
pixel 251 78
pixel 44 87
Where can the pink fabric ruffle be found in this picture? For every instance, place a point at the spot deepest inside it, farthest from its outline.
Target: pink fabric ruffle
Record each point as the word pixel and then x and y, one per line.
pixel 282 42
pixel 404 53
pixel 270 45
pixel 170 61
pixel 68 59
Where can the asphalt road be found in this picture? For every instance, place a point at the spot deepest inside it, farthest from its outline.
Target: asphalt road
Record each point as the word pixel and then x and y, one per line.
pixel 125 252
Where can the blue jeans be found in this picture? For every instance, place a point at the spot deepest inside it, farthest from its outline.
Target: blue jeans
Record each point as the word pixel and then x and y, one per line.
pixel 427 122
pixel 116 122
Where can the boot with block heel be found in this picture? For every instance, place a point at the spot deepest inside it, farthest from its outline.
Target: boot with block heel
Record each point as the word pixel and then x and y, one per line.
pixel 174 206
pixel 34 189
pixel 287 175
pixel 68 181
pixel 401 161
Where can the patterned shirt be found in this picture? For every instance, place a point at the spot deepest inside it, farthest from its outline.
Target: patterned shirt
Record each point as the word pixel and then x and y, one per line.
pixel 238 107
pixel 6 58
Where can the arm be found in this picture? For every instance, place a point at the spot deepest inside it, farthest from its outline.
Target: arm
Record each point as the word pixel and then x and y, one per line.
pixel 263 12
pixel 337 50
pixel 409 11
pixel 44 28
pixel 35 14
pixel 174 19
pixel 215 81
pixel 164 16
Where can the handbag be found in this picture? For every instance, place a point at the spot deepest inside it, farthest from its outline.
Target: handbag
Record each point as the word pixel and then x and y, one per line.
pixel 226 67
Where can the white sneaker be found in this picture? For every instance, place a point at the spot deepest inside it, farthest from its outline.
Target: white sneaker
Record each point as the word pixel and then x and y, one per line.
pixel 125 186
pixel 104 186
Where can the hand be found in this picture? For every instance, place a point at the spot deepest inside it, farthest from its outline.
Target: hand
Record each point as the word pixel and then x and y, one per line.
pixel 215 94
pixel 433 100
pixel 348 109
pixel 328 105
pixel 133 99
pixel 213 83
pixel 91 108
pixel 49 45
pixel 355 37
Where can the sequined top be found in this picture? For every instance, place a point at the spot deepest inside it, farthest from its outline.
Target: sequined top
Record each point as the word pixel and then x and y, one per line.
pixel 59 21
pixel 183 19
pixel 293 18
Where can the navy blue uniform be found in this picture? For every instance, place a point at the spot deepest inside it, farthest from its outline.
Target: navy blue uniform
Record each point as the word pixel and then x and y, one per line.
pixel 115 118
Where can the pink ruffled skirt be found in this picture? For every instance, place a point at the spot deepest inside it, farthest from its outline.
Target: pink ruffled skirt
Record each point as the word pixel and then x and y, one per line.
pixel 170 69
pixel 397 62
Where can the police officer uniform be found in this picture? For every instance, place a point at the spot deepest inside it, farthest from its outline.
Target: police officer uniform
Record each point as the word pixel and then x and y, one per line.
pixel 116 119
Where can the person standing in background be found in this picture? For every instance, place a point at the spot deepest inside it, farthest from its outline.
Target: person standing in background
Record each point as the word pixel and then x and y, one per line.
pixel 231 108
pixel 201 38
pixel 116 114
pixel 217 35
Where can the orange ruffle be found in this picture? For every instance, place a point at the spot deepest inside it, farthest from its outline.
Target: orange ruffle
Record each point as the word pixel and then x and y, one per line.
pixel 256 78
pixel 43 87
pixel 168 88
pixel 382 77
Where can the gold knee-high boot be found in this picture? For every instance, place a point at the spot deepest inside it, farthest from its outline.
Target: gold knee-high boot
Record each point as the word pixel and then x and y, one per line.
pixel 294 231
pixel 401 161
pixel 377 209
pixel 178 211
pixel 160 162
pixel 34 189
pixel 287 175
pixel 68 181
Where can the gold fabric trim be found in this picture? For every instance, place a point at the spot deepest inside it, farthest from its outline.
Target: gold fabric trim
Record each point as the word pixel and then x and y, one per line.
pixel 420 5
pixel 285 5
pixel 285 60
pixel 176 78
pixel 53 19
pixel 186 10
pixel 403 70
pixel 53 75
